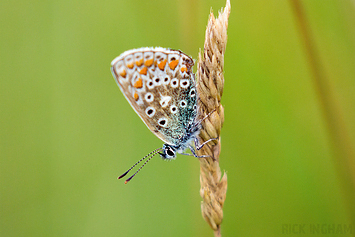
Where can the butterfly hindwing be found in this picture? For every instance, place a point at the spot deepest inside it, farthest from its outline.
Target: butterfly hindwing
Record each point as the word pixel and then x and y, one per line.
pixel 160 86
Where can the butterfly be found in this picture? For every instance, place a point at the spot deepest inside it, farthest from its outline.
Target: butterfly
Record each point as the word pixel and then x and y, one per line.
pixel 161 88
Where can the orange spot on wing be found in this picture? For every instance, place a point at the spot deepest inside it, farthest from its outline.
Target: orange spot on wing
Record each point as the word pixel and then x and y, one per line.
pixel 139 83
pixel 161 65
pixel 143 71
pixel 139 62
pixel 130 66
pixel 136 96
pixel 123 73
pixel 183 69
pixel 149 62
pixel 173 64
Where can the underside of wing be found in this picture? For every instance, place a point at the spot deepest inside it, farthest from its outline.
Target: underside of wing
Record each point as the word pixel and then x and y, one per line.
pixel 160 86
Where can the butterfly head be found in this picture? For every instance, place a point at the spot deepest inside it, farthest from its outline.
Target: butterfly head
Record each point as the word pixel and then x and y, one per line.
pixel 168 152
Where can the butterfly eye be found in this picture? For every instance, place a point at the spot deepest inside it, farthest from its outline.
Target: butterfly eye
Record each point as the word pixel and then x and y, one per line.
pixel 150 111
pixel 149 97
pixel 173 109
pixel 192 93
pixel 184 83
pixel 166 80
pixel 174 83
pixel 183 104
pixel 162 122
pixel 157 81
pixel 170 152
pixel 150 85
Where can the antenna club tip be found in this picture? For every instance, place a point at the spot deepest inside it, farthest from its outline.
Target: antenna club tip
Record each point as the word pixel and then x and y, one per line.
pixel 124 174
pixel 125 182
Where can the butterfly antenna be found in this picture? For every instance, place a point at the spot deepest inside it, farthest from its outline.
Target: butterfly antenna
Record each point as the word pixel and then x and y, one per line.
pixel 156 151
pixel 125 173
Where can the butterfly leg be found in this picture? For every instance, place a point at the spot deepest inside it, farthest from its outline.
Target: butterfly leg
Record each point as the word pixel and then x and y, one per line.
pixel 194 153
pixel 198 146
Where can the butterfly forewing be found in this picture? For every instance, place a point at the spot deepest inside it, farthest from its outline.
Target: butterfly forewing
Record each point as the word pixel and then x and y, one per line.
pixel 160 86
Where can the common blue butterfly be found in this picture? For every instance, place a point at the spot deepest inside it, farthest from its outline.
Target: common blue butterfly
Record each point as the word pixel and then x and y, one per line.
pixel 160 86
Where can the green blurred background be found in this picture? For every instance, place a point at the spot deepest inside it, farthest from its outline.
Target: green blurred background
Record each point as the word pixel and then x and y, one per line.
pixel 67 132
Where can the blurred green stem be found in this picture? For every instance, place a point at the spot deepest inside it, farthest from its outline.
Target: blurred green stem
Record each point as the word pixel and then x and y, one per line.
pixel 338 133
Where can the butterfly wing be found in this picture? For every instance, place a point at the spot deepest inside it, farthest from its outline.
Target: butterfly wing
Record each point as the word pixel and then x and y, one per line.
pixel 160 86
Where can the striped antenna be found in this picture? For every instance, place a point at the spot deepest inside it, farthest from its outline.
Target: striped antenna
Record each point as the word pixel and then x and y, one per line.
pixel 150 154
pixel 140 167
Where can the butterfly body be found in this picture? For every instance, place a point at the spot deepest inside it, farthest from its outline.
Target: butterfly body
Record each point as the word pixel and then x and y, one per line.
pixel 160 86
